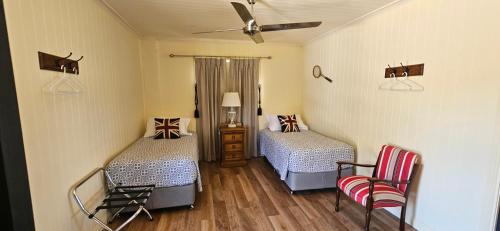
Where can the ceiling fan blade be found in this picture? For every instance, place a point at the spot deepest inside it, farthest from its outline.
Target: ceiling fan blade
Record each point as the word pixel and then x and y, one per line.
pixel 288 26
pixel 214 31
pixel 257 38
pixel 242 11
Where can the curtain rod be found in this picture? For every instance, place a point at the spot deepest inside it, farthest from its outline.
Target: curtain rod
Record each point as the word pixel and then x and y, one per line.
pixel 218 56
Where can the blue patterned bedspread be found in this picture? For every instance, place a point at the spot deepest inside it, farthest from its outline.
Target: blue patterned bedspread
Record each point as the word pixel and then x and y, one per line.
pixel 163 162
pixel 304 151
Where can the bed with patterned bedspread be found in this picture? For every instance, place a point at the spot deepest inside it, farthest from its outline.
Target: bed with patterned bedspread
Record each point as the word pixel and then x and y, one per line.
pixel 163 162
pixel 302 152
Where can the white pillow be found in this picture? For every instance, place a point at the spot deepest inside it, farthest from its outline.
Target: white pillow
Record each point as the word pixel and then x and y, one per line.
pixel 274 123
pixel 300 122
pixel 183 127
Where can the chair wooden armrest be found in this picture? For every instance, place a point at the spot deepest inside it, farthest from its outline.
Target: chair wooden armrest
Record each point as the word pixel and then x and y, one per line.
pixel 375 180
pixel 355 164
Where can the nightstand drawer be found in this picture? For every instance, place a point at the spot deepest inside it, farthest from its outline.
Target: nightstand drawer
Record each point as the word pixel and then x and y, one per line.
pixel 233 147
pixel 233 156
pixel 227 138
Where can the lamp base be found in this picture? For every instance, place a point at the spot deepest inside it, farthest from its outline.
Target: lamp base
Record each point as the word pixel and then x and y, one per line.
pixel 231 114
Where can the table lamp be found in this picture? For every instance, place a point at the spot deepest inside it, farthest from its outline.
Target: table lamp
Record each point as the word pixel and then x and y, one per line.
pixel 231 100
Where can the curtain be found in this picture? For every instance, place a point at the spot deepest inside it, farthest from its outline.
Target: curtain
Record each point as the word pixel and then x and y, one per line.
pixel 215 77
pixel 209 75
pixel 244 78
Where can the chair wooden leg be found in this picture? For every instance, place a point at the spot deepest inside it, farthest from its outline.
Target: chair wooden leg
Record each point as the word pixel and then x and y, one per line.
pixel 368 218
pixel 402 221
pixel 337 203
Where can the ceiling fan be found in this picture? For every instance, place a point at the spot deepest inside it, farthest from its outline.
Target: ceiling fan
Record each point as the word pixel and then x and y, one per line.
pixel 253 30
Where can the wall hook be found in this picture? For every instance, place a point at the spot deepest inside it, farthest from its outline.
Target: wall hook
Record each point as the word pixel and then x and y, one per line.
pixel 58 60
pixel 405 68
pixel 393 74
pixel 74 65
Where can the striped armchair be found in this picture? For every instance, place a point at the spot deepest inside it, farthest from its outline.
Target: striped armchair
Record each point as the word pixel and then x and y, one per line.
pixel 388 187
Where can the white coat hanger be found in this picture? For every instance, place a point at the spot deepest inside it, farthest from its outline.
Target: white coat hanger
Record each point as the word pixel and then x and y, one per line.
pixel 49 88
pixel 65 80
pixel 55 86
pixel 407 87
pixel 387 84
pixel 415 86
pixel 77 81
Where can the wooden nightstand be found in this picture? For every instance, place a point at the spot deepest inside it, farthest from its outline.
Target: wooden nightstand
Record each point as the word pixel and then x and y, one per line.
pixel 233 146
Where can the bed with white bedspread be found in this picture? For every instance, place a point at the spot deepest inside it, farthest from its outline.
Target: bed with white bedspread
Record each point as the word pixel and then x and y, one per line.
pixel 170 164
pixel 305 159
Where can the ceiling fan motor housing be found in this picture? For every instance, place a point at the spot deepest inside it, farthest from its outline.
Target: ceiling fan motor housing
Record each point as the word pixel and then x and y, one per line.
pixel 251 27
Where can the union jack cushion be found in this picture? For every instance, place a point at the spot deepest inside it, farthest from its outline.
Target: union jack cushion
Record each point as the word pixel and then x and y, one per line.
pixel 167 128
pixel 288 123
pixel 395 164
pixel 384 195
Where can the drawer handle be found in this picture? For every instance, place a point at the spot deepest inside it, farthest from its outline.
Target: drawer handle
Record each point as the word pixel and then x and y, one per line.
pixel 234 137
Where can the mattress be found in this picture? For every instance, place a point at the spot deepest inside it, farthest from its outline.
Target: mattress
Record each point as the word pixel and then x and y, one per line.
pixel 163 162
pixel 303 152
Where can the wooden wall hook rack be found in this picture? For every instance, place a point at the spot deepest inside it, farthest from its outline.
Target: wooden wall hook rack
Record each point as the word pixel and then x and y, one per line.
pixel 54 63
pixel 412 70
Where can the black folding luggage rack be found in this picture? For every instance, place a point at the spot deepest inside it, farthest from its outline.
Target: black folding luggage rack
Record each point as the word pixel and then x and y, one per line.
pixel 117 199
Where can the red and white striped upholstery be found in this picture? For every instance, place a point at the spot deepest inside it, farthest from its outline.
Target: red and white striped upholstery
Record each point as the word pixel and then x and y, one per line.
pixel 395 164
pixel 384 195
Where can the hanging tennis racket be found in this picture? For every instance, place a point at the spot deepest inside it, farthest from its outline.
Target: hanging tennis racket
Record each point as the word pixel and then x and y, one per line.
pixel 317 73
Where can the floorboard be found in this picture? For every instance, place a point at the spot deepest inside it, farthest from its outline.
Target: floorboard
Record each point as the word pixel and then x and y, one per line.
pixel 253 198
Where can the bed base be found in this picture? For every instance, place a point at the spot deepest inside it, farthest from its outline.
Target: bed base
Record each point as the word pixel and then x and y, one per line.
pixel 299 181
pixel 166 197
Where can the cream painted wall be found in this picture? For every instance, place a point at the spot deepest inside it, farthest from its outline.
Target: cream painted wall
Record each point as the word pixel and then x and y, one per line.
pixel 169 82
pixel 67 136
pixel 452 123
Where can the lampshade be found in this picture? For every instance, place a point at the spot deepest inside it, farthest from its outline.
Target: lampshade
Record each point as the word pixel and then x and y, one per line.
pixel 231 99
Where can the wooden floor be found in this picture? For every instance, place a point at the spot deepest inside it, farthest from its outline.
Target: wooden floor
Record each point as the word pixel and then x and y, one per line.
pixel 253 198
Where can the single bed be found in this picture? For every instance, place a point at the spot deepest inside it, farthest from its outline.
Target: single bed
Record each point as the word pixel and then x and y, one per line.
pixel 170 164
pixel 305 160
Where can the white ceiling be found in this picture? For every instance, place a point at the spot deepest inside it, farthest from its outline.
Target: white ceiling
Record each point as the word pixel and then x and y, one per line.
pixel 180 18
